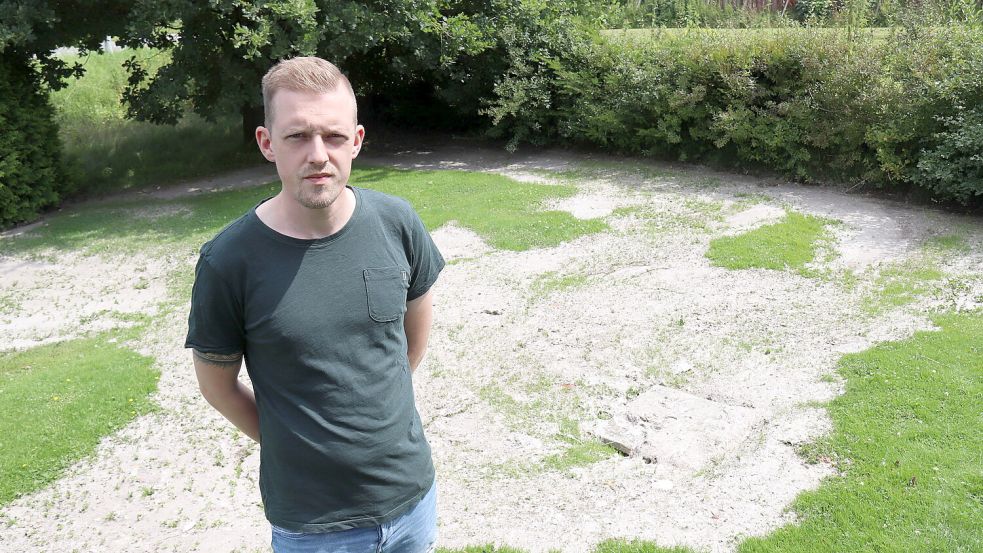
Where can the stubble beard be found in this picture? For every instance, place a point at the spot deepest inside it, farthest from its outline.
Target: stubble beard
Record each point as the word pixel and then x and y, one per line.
pixel 318 196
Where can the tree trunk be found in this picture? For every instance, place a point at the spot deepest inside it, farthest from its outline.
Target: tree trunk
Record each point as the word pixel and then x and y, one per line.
pixel 252 117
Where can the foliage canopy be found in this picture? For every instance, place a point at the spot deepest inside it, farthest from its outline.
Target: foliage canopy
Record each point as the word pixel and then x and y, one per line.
pixel 414 54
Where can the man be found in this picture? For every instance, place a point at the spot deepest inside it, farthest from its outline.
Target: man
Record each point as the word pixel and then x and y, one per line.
pixel 324 290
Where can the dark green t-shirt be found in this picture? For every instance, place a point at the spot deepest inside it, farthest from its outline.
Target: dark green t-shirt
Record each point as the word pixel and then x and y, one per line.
pixel 320 323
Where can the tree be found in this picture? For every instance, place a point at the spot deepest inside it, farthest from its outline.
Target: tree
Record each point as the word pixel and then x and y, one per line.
pixel 32 30
pixel 31 173
pixel 442 58
pixel 219 51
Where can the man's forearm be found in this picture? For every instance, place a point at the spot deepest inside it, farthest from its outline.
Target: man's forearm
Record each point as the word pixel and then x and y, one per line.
pixel 238 405
pixel 419 318
pixel 416 356
pixel 218 381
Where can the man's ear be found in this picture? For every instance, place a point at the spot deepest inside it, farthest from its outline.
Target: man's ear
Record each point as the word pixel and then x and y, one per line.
pixel 359 137
pixel 265 143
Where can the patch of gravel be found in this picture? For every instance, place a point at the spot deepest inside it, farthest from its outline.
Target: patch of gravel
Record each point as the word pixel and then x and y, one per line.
pixel 610 331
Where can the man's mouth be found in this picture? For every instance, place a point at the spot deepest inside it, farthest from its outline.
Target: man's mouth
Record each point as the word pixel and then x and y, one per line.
pixel 318 176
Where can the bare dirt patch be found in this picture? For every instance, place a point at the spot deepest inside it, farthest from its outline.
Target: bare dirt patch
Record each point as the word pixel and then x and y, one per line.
pixel 46 300
pixel 708 378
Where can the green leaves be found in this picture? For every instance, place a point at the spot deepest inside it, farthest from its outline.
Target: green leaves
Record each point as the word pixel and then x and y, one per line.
pixel 887 110
pixel 31 175
pixel 289 25
pixel 954 167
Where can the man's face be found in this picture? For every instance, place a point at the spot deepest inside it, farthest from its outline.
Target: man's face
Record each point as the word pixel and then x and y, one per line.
pixel 313 139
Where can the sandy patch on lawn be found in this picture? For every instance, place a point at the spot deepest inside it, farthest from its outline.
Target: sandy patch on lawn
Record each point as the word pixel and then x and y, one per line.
pixel 707 378
pixel 458 243
pixel 754 216
pixel 47 301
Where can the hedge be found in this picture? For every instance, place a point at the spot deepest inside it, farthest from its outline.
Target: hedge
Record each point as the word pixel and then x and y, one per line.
pixel 31 176
pixel 903 111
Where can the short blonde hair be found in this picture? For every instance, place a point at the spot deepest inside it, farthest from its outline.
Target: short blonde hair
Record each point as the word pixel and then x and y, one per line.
pixel 303 74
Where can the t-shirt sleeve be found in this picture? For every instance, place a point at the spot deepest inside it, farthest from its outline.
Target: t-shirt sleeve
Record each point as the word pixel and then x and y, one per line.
pixel 425 260
pixel 215 324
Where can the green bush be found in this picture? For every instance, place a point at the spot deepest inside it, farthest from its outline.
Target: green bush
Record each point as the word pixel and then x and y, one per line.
pixel 614 14
pixel 532 38
pixel 931 77
pixel 955 166
pixel 31 177
pixel 650 100
pixel 895 111
pixel 686 13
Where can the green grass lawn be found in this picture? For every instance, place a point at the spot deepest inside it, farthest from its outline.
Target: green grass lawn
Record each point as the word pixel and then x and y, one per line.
pixel 506 213
pixel 59 400
pixel 140 224
pixel 789 244
pixel 105 152
pixel 908 437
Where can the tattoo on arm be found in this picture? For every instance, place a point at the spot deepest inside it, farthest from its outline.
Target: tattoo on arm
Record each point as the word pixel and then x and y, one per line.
pixel 219 358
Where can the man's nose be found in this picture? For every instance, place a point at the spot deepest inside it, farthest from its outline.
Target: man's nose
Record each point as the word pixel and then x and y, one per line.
pixel 318 153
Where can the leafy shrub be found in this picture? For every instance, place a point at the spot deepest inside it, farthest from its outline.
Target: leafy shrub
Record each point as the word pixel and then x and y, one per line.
pixel 685 13
pixel 765 116
pixel 31 177
pixel 955 166
pixel 654 100
pixel 531 38
pixel 887 111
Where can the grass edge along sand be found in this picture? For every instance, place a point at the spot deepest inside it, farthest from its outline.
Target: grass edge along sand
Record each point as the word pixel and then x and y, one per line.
pixel 60 399
pixel 790 244
pixel 907 440
pixel 506 213
pixel 606 546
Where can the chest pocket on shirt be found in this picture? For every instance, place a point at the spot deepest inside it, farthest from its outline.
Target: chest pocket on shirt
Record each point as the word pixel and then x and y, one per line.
pixel 385 289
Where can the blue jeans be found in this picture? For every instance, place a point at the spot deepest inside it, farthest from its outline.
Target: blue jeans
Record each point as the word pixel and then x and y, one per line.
pixel 412 532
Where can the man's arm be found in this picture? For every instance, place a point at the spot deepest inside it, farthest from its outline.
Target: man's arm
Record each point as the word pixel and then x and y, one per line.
pixel 416 323
pixel 218 380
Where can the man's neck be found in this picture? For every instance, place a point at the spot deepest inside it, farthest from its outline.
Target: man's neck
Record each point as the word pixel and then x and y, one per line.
pixel 288 217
